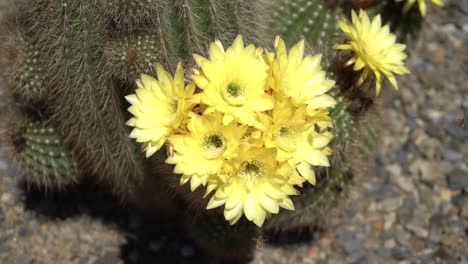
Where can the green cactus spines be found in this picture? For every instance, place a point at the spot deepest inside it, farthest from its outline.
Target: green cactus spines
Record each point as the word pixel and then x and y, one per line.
pixel 312 20
pixel 213 234
pixel 29 77
pixel 313 202
pixel 130 56
pixel 128 15
pixel 44 158
pixel 85 105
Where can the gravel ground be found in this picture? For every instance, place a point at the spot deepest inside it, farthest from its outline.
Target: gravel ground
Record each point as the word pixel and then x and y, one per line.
pixel 412 208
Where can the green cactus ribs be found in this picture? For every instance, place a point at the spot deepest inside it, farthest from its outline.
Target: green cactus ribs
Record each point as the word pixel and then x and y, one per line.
pixel 29 76
pixel 213 234
pixel 129 14
pixel 313 203
pixel 129 57
pixel 311 19
pixel 43 157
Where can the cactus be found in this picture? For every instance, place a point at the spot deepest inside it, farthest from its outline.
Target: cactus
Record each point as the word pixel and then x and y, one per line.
pixel 213 234
pixel 313 20
pixel 45 159
pixel 71 63
pixel 30 76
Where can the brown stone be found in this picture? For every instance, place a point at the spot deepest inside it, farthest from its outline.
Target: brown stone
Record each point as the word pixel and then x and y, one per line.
pixel 416 244
pixel 377 225
pixel 435 54
pixel 313 253
pixel 326 240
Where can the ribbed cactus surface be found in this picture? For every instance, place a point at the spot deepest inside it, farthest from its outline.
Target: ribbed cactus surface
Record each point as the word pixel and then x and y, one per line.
pixel 78 59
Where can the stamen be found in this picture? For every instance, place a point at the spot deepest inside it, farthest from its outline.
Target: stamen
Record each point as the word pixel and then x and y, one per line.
pixel 213 146
pixel 234 94
pixel 251 172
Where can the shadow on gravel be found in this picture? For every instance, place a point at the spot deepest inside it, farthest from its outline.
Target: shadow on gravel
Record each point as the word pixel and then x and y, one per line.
pixel 149 240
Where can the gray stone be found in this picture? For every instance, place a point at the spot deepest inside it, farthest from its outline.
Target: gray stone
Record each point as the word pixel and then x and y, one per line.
pixel 383 252
pixel 22 260
pixel 23 232
pixel 405 212
pixel 390 205
pixel 459 199
pixel 402 236
pixel 451 155
pixel 455 130
pixel 434 238
pixel 437 219
pixel 400 252
pixel 465 103
pixel 457 179
pixel 350 242
pixel 12 171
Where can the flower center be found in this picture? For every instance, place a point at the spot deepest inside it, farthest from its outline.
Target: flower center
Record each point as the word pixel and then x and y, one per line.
pixel 234 94
pixel 287 137
pixel 173 106
pixel 251 172
pixel 213 146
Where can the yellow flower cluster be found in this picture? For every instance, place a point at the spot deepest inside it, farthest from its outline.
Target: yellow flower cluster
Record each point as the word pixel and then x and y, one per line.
pixel 251 135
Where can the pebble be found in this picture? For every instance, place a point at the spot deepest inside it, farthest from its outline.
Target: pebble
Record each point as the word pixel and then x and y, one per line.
pixel 427 170
pixel 390 205
pixel 402 236
pixel 400 252
pixel 417 230
pixel 416 244
pixel 22 260
pixel 389 220
pixel 405 183
pixel 390 243
pixel 451 155
pixel 350 242
pixel 313 253
pixel 2 215
pixel 457 179
pixel 454 129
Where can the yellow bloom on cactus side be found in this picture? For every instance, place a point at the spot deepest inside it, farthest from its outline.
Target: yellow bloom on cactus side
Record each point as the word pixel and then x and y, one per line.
pixel 298 77
pixel 421 4
pixel 233 81
pixel 374 48
pixel 294 133
pixel 201 151
pixel 158 107
pixel 256 186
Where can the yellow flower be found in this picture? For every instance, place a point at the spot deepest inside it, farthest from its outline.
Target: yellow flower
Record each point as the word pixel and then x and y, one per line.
pixel 298 77
pixel 201 151
pixel 374 48
pixel 256 186
pixel 158 107
pixel 421 4
pixel 233 81
pixel 294 133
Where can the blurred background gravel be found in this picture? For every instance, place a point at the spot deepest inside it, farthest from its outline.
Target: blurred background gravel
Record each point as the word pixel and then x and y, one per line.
pixel 412 206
